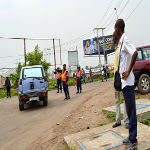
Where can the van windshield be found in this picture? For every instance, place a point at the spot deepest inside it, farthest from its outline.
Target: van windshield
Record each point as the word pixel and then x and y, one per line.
pixel 32 73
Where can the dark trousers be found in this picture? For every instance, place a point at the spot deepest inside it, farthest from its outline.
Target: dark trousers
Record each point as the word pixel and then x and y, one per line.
pixel 59 84
pixel 129 96
pixel 8 91
pixel 79 85
pixel 65 88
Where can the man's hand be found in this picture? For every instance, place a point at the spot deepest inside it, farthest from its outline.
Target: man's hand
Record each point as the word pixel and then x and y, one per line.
pixel 125 75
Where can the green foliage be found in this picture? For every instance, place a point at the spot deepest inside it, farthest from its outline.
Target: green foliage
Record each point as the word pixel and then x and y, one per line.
pixel 14 78
pixel 3 93
pixel 137 97
pixel 100 125
pixel 111 116
pixel 121 101
pixel 70 148
pixel 18 68
pixel 111 75
pixel 36 58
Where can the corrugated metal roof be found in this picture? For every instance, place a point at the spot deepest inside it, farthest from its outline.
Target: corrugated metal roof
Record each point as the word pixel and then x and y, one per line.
pixel 9 72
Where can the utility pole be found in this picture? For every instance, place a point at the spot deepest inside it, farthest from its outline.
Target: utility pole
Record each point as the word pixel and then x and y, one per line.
pixel 97 29
pixel 25 51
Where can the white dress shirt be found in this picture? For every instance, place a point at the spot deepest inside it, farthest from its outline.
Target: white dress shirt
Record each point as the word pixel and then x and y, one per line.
pixel 126 53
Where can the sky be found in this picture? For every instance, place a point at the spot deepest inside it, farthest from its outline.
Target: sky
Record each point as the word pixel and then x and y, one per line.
pixel 67 20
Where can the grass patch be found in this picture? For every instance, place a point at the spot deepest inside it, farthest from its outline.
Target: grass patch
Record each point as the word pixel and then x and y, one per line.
pixel 3 93
pixel 137 97
pixel 121 101
pixel 111 116
pixel 103 124
pixel 70 148
pixel 149 97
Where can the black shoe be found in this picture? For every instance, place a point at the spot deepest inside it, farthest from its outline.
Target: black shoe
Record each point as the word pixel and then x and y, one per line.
pixel 127 141
pixel 77 93
pixel 131 146
pixel 116 125
pixel 57 92
pixel 80 91
pixel 61 91
pixel 65 98
pixel 102 81
pixel 68 97
pixel 7 96
pixel 127 125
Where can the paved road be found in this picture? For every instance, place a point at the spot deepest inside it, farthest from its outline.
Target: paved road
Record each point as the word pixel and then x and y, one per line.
pixel 18 129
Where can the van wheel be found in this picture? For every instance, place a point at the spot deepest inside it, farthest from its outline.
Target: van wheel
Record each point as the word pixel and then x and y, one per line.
pixel 45 101
pixel 21 107
pixel 144 84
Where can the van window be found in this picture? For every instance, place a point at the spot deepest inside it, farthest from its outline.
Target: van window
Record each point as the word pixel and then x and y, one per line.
pixel 139 57
pixel 32 73
pixel 146 53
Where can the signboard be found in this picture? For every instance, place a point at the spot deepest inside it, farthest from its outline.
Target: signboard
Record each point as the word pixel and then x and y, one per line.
pixel 90 46
pixel 73 58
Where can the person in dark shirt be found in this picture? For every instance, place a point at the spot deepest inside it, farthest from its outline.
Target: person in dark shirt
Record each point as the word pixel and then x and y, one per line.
pixel 104 74
pixel 8 86
pixel 58 72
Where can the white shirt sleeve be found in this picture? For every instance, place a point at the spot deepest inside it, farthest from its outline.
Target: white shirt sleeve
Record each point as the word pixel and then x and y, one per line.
pixel 129 47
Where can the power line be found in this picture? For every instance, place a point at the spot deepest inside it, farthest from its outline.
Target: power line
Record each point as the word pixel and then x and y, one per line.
pixel 134 9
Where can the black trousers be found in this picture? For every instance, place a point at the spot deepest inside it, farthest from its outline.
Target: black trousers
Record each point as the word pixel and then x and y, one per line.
pixel 65 88
pixel 129 96
pixel 79 87
pixel 59 84
pixel 8 91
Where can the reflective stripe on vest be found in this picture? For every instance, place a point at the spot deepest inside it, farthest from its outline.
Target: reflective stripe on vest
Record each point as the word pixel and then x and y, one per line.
pixel 58 75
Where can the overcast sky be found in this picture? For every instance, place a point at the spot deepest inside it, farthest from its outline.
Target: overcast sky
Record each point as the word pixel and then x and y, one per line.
pixel 66 20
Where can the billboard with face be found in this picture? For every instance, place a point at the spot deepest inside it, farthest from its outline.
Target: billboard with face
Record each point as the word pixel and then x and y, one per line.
pixel 90 46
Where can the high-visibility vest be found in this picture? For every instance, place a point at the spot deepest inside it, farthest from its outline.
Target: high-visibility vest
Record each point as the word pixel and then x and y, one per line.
pixel 64 75
pixel 58 75
pixel 79 73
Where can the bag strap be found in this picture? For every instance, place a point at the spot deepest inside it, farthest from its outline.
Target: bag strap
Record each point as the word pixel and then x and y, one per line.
pixel 119 55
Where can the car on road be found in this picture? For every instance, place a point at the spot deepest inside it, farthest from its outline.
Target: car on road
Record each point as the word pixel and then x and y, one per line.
pixel 32 86
pixel 141 70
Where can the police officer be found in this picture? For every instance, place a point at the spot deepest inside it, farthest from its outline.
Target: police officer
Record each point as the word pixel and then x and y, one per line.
pixel 104 74
pixel 79 77
pixel 58 73
pixel 65 77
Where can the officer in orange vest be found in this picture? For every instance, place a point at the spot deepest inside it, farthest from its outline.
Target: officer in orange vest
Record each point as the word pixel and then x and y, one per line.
pixel 65 78
pixel 79 77
pixel 58 73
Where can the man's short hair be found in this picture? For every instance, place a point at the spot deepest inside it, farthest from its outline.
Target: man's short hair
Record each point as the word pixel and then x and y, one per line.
pixel 120 23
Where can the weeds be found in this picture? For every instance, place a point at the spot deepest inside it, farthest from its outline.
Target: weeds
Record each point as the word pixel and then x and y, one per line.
pixel 3 93
pixel 137 97
pixel 111 116
pixel 103 124
pixel 70 148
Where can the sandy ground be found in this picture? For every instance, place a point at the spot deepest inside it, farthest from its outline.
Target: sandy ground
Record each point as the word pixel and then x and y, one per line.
pixel 43 128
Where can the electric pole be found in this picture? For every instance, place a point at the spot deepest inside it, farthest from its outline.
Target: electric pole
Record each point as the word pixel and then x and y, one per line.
pixel 97 29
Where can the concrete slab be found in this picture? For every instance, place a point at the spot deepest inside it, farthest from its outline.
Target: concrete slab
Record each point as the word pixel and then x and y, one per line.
pixel 142 107
pixel 106 137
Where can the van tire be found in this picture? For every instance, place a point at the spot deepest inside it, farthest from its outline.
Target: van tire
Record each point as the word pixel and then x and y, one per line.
pixel 144 84
pixel 45 101
pixel 21 107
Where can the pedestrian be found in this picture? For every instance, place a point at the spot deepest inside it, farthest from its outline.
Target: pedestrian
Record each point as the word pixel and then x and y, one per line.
pixel 91 76
pixel 65 78
pixel 74 79
pixel 104 74
pixel 8 86
pixel 79 77
pixel 83 76
pixel 58 72
pixel 127 58
pixel 118 93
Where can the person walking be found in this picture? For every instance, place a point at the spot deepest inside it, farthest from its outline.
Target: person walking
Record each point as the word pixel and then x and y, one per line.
pixel 118 93
pixel 65 77
pixel 91 76
pixel 104 74
pixel 58 72
pixel 128 56
pixel 79 77
pixel 75 79
pixel 8 86
pixel 83 76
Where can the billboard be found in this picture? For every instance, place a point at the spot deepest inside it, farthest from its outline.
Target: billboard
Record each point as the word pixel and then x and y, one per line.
pixel 73 58
pixel 90 46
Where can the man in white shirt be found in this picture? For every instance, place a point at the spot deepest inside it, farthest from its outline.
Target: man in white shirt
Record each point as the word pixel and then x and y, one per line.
pixel 128 56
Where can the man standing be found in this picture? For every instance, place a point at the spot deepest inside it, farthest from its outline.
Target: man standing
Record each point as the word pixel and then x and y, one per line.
pixel 8 86
pixel 79 77
pixel 128 56
pixel 58 72
pixel 65 77
pixel 118 93
pixel 104 74
pixel 83 76
pixel 91 76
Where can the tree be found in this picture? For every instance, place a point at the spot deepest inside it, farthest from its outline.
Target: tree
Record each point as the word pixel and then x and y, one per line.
pixel 18 68
pixel 36 58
